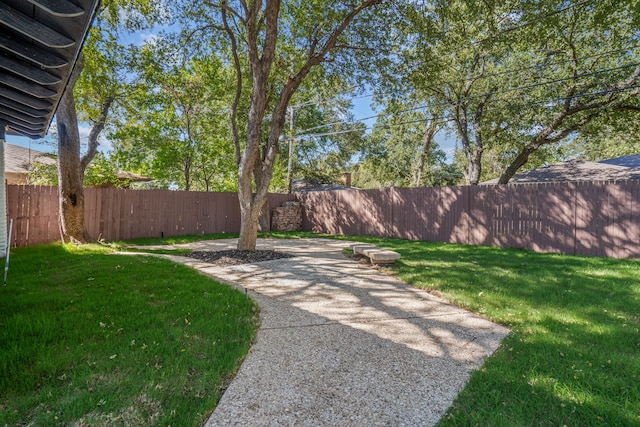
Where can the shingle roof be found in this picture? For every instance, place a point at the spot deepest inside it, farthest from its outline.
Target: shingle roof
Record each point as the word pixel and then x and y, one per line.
pixel 574 170
pixel 18 159
pixel 40 41
pixel 632 161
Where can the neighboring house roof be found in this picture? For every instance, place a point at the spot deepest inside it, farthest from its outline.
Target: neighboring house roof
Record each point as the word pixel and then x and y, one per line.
pixel 133 176
pixel 40 42
pixel 19 159
pixel 302 186
pixel 632 161
pixel 574 170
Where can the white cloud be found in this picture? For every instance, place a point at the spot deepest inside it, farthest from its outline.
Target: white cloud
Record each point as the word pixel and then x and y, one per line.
pixel 103 141
pixel 150 39
pixel 84 131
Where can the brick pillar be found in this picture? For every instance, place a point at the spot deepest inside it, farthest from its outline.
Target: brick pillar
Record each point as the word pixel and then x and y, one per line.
pixel 288 217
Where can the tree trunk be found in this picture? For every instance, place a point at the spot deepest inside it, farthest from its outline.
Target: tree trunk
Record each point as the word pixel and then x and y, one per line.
pixel 473 170
pixel 264 224
pixel 428 138
pixel 258 176
pixel 187 175
pixel 519 161
pixel 261 49
pixel 70 191
pixel 250 210
pixel 473 152
pixel 71 166
pixel 253 205
pixel 260 67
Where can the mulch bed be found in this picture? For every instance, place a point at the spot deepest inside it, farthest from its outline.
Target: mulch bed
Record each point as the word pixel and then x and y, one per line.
pixel 236 257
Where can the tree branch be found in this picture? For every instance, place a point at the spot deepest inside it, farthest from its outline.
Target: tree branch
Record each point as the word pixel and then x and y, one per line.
pixel 272 10
pixel 292 84
pixel 96 129
pixel 633 108
pixel 351 47
pixel 238 94
pixel 252 36
pixel 199 29
pixel 224 7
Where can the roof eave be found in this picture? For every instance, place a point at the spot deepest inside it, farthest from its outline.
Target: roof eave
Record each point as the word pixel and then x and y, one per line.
pixel 40 42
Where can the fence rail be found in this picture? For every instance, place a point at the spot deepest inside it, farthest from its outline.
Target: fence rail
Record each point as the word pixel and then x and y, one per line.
pixel 116 214
pixel 595 218
pixel 599 219
pixel 35 214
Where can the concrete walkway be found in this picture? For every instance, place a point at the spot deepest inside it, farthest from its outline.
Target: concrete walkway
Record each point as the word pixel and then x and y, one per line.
pixel 341 343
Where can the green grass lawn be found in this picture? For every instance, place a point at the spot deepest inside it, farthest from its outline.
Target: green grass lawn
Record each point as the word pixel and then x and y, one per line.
pixel 173 240
pixel 90 338
pixel 198 237
pixel 574 355
pixel 98 339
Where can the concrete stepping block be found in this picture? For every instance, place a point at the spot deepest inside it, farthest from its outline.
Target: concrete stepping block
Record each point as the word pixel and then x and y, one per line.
pixel 360 247
pixel 375 254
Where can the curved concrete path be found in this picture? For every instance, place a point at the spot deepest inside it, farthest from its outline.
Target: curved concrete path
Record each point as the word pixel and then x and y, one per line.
pixel 341 343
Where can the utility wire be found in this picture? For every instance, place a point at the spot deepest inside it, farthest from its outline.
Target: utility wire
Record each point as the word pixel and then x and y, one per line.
pixel 477 77
pixel 530 86
pixel 442 120
pixel 508 30
pixel 452 103
pixel 532 67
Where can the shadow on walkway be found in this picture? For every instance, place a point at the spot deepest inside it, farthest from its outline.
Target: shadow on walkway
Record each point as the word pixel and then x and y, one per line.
pixel 341 343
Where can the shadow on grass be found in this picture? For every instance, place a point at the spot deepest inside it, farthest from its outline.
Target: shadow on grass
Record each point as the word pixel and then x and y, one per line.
pixel 90 338
pixel 574 356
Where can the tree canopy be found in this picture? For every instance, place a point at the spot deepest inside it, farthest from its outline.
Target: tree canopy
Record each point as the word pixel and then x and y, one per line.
pixel 518 79
pixel 242 95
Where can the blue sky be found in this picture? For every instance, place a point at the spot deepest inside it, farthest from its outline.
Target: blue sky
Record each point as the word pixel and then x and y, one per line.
pixel 34 144
pixel 362 108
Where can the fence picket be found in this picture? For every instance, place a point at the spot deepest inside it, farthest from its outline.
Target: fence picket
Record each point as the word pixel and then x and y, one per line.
pixel 598 219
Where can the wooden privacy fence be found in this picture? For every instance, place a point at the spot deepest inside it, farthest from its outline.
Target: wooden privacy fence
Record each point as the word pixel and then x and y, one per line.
pixel 599 219
pixel 115 214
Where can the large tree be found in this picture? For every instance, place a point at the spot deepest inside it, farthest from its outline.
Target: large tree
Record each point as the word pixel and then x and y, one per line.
pixel 454 67
pixel 518 78
pixel 608 137
pixel 71 165
pixel 95 84
pixel 277 45
pixel 591 72
pixel 174 128
pixel 325 137
pixel 401 151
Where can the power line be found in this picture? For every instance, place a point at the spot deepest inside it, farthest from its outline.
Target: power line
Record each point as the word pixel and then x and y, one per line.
pixel 452 103
pixel 506 31
pixel 540 65
pixel 518 27
pixel 478 77
pixel 531 86
pixel 442 120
